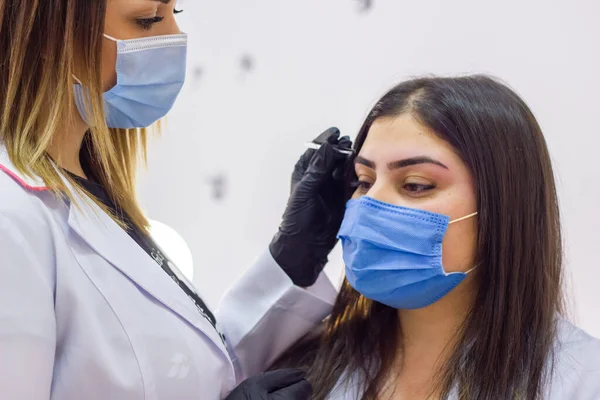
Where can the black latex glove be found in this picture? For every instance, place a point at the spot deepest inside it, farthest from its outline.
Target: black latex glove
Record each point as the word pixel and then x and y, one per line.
pixel 314 211
pixel 282 384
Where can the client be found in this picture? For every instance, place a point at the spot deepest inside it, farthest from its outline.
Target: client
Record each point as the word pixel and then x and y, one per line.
pixel 452 247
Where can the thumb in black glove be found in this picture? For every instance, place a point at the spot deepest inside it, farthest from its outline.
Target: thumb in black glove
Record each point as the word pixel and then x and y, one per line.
pixel 283 384
pixel 314 211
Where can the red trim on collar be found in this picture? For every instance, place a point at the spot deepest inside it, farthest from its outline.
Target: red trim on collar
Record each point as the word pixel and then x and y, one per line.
pixel 20 181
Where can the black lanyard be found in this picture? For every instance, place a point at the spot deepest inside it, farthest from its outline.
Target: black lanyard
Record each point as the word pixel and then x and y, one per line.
pixel 159 256
pixel 161 259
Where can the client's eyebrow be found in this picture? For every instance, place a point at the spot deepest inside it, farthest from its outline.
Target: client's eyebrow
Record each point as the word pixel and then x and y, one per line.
pixel 407 162
pixel 163 1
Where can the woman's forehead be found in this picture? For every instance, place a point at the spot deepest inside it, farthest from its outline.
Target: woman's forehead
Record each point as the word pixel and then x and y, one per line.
pixel 404 131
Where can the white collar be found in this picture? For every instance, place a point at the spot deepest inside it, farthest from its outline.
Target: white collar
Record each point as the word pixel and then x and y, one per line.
pixel 32 182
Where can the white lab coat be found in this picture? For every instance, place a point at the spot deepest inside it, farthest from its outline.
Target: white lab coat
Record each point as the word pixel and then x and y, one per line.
pixel 576 374
pixel 85 313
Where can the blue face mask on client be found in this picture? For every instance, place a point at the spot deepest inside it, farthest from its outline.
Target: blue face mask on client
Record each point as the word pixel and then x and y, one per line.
pixel 393 254
pixel 150 74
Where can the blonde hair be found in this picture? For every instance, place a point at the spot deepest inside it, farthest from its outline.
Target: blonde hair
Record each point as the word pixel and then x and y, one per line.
pixel 43 44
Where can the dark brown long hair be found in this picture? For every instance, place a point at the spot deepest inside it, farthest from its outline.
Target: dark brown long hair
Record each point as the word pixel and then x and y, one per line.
pixel 504 348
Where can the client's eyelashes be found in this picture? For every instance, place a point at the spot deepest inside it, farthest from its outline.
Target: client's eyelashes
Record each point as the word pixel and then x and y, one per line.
pixel 147 23
pixel 417 188
pixel 361 185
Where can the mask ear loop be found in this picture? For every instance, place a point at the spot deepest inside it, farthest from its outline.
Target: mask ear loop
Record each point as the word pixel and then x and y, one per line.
pixel 458 220
pixel 111 38
pixel 463 218
pixel 476 265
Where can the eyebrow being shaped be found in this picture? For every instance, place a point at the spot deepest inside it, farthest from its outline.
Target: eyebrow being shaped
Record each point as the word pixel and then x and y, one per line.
pixel 163 1
pixel 407 162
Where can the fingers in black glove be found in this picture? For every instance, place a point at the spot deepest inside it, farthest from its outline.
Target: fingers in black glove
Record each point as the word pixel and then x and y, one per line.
pixel 284 384
pixel 343 144
pixel 331 136
pixel 273 381
pixel 325 160
pixel 301 390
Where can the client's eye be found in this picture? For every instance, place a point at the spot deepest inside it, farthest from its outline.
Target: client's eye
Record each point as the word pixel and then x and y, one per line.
pixel 175 11
pixel 362 185
pixel 417 188
pixel 147 23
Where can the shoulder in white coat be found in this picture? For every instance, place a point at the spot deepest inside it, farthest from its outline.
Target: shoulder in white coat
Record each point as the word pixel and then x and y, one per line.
pixel 576 372
pixel 27 287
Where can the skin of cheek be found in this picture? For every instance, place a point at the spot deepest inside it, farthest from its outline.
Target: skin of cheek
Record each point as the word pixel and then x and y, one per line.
pixel 115 26
pixel 109 61
pixel 459 246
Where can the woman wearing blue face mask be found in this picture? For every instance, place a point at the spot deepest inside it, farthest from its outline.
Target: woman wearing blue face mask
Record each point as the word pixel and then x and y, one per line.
pixel 90 306
pixel 452 246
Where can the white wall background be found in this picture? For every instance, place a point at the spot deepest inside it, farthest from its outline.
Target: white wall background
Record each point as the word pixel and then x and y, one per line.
pixel 321 63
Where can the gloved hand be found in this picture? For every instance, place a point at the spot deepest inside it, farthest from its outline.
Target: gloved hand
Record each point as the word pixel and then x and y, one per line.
pixel 282 384
pixel 314 211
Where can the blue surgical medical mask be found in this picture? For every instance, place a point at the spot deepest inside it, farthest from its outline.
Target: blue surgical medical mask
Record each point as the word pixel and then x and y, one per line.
pixel 150 74
pixel 393 254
